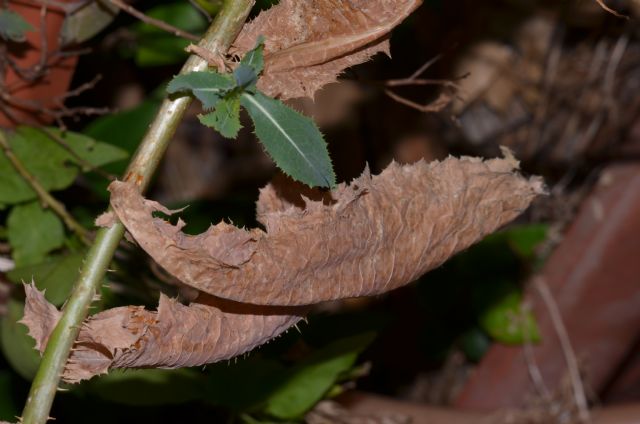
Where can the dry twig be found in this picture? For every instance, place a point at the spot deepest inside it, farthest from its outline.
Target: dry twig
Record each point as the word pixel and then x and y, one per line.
pixel 152 21
pixel 572 364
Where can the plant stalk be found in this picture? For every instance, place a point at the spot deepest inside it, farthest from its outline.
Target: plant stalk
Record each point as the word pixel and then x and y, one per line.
pixel 218 38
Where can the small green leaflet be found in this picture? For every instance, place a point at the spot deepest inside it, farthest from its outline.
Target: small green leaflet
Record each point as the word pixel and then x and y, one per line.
pixel 33 232
pixel 209 87
pixel 13 26
pixel 291 139
pixel 225 118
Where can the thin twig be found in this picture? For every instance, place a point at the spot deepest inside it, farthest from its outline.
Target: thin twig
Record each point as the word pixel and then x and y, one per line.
pixel 152 21
pixel 219 36
pixel 437 105
pixel 610 10
pixel 85 163
pixel 47 199
pixel 201 9
pixel 443 100
pixel 569 355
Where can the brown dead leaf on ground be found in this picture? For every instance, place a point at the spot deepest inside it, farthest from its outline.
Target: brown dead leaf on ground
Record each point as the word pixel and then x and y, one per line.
pixel 377 234
pixel 309 43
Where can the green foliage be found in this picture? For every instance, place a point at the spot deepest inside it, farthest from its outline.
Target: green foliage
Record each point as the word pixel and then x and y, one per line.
pixel 225 118
pixel 56 275
pixel 208 87
pixel 307 382
pixel 254 59
pixel 156 47
pixel 33 232
pixel 506 321
pixel 86 21
pixel 475 293
pixel 17 345
pixel 292 140
pixel 53 165
pixel 13 26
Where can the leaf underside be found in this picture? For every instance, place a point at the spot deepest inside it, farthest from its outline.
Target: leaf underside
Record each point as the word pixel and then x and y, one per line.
pixel 377 233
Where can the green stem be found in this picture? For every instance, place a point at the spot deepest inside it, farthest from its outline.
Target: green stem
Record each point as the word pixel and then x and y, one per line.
pixel 218 38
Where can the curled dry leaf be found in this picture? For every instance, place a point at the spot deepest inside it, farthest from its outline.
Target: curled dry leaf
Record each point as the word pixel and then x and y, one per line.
pixel 309 43
pixel 371 236
pixel 379 233
pixel 175 335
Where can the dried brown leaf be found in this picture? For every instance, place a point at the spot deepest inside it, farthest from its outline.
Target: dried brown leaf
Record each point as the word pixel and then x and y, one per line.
pixel 309 43
pixel 175 335
pixel 380 233
pixel 376 234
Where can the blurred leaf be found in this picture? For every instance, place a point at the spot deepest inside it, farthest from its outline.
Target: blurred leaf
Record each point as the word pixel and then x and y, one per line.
pixel 524 239
pixel 225 118
pixel 33 232
pixel 86 21
pixel 17 346
pixel 310 379
pixel 243 385
pixel 47 161
pixel 57 275
pixel 507 322
pixel 149 387
pixel 291 139
pixel 211 6
pixel 157 47
pixel 88 149
pixel 474 343
pixel 209 86
pixel 13 26
pixel 8 407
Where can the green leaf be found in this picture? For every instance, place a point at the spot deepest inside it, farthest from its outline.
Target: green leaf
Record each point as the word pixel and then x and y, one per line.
pixel 51 164
pixel 246 78
pixel 156 47
pixel 291 139
pixel 474 343
pixel 209 87
pixel 225 118
pixel 254 58
pixel 86 21
pixel 308 381
pixel 33 232
pixel 56 275
pixel 149 387
pixel 86 150
pixel 524 239
pixel 17 346
pixel 13 26
pixel 507 322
